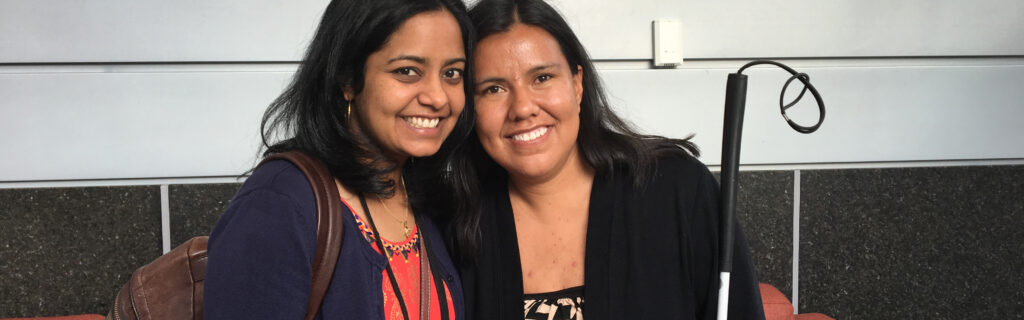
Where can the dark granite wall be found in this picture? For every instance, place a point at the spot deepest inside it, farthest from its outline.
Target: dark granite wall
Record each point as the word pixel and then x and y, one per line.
pixel 196 207
pixel 68 250
pixel 764 205
pixel 917 243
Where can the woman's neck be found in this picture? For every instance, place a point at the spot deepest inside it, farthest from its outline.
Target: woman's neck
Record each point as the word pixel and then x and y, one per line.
pixel 391 215
pixel 399 196
pixel 568 190
pixel 551 217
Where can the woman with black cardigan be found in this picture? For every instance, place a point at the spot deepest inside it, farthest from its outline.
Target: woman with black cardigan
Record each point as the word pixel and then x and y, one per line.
pixel 565 209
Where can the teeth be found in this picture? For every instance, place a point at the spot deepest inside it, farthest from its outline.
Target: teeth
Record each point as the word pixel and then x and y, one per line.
pixel 530 136
pixel 419 122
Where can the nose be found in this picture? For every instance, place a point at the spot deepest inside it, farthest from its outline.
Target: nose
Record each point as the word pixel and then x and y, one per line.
pixel 523 107
pixel 433 94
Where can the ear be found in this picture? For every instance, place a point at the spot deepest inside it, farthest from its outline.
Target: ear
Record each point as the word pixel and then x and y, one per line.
pixel 578 83
pixel 346 90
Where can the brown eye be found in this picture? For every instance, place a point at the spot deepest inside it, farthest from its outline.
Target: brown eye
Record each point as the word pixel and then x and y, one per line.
pixel 407 72
pixel 453 74
pixel 543 78
pixel 492 90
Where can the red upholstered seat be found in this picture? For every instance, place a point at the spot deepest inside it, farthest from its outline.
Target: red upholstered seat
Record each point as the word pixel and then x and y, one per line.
pixel 778 307
pixel 78 317
pixel 812 316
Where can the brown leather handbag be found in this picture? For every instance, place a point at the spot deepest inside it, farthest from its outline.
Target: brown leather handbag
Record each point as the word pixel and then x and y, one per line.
pixel 171 287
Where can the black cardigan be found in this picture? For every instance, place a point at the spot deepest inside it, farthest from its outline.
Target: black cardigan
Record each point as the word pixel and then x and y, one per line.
pixel 649 255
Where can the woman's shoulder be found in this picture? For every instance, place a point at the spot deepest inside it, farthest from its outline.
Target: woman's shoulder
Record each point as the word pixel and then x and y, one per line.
pixel 263 246
pixel 681 168
pixel 277 193
pixel 279 177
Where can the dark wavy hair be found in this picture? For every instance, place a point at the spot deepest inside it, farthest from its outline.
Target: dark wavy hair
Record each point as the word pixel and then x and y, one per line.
pixel 310 115
pixel 607 142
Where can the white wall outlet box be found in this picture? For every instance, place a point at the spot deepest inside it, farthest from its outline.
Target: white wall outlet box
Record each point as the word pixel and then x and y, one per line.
pixel 668 42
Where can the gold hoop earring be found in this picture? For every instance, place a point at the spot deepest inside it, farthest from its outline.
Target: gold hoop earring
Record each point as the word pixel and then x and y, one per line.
pixel 348 110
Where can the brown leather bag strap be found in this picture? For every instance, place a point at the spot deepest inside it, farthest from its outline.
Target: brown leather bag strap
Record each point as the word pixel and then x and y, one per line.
pixel 328 224
pixel 424 279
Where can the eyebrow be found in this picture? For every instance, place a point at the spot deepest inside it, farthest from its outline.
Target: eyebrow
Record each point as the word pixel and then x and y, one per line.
pixel 422 60
pixel 454 61
pixel 532 70
pixel 542 67
pixel 416 59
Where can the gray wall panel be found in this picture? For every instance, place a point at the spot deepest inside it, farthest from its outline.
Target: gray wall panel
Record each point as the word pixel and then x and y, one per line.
pixel 191 124
pixel 132 31
pixel 852 28
pixel 69 126
pixel 42 31
pixel 873 114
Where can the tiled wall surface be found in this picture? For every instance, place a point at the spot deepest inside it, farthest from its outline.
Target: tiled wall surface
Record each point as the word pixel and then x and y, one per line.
pixel 907 243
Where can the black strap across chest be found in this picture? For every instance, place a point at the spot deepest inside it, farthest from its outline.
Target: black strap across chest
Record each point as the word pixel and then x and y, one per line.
pixel 426 260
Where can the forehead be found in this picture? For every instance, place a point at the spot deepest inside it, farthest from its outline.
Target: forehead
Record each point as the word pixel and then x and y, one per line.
pixel 520 48
pixel 430 33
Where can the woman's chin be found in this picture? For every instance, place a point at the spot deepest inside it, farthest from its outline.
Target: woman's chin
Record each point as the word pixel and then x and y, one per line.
pixel 423 151
pixel 528 170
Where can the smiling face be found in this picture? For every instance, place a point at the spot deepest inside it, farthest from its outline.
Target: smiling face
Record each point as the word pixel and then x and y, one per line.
pixel 527 102
pixel 413 87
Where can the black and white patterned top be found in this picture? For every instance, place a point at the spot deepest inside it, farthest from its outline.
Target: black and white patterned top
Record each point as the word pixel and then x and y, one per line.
pixel 565 304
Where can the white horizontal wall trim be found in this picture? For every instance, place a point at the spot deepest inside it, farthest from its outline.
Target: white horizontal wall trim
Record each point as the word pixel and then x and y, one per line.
pixel 715 168
pixel 867 62
pixel 118 182
pixel 290 67
pixel 875 165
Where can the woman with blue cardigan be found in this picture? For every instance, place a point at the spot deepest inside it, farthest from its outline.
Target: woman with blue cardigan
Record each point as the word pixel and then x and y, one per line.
pixel 380 98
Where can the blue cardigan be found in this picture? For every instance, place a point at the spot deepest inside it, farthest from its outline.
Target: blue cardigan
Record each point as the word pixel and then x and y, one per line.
pixel 261 255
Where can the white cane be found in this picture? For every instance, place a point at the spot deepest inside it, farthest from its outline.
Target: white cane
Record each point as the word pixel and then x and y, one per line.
pixel 735 101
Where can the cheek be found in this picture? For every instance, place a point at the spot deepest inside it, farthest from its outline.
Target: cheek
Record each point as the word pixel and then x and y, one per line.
pixel 457 101
pixel 489 120
pixel 567 104
pixel 481 126
pixel 371 99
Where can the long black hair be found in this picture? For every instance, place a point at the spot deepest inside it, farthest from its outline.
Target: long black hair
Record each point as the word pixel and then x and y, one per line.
pixel 310 115
pixel 607 142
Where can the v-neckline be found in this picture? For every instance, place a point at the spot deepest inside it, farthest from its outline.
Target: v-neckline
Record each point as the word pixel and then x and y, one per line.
pixel 596 256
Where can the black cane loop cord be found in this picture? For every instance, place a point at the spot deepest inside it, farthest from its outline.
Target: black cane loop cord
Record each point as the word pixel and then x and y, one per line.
pixel 806 80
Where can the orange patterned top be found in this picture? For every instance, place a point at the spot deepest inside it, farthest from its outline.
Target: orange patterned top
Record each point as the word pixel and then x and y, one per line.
pixel 405 262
